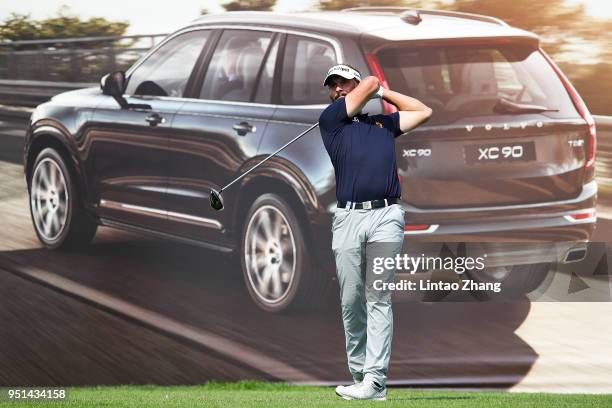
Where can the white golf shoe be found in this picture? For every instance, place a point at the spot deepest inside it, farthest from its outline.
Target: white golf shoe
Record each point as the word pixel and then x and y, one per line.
pixel 340 389
pixel 365 390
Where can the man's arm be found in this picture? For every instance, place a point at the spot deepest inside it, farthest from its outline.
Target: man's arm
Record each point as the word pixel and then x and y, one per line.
pixel 412 112
pixel 360 95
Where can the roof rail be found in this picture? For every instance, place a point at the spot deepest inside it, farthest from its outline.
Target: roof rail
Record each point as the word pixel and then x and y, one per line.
pixel 447 13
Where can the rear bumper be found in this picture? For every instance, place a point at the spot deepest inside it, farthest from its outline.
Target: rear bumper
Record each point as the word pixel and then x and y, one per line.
pixel 540 222
pixel 502 253
pixel 517 235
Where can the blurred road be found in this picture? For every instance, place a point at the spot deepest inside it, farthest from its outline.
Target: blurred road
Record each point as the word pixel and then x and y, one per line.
pixel 50 337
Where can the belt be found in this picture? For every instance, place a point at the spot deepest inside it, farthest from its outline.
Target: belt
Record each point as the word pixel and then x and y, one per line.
pixel 368 205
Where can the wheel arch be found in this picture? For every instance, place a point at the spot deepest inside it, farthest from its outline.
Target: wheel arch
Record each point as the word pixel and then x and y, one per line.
pixel 314 282
pixel 284 179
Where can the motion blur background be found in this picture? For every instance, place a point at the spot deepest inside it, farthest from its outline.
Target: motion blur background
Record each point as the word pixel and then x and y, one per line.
pixel 576 33
pixel 48 338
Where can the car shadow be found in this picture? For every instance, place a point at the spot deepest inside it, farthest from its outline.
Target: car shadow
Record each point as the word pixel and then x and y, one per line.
pixel 454 343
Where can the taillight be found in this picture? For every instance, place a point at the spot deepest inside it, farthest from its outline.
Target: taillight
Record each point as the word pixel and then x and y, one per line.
pixel 589 214
pixel 581 108
pixel 416 227
pixel 581 216
pixel 378 72
pixel 413 229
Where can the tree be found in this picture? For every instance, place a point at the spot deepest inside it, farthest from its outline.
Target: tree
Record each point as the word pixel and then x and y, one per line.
pixel 239 5
pixel 60 60
pixel 587 78
pixel 566 31
pixel 343 4
pixel 22 27
pixel 19 27
pixel 559 23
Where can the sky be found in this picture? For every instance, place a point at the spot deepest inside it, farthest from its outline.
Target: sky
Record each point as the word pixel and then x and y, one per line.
pixel 146 17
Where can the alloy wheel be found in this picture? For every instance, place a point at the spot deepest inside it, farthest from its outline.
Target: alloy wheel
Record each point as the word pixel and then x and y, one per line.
pixel 49 199
pixel 270 254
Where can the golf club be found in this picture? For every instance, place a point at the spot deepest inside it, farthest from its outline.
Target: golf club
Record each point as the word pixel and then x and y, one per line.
pixel 216 201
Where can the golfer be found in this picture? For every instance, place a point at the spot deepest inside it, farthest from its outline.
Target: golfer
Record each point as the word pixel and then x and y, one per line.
pixel 362 151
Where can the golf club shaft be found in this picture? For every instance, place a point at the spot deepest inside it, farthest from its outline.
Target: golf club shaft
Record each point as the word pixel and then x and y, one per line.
pixel 270 156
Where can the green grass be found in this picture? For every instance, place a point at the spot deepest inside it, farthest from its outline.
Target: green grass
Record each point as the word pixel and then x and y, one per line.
pixel 260 394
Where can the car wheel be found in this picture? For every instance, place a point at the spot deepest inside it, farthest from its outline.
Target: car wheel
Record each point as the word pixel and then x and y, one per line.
pixel 59 218
pixel 515 281
pixel 274 257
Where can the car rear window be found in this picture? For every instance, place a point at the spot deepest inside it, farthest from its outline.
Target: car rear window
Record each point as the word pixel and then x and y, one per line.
pixel 459 81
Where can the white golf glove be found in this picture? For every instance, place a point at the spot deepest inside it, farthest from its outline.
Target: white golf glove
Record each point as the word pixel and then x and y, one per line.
pixel 379 93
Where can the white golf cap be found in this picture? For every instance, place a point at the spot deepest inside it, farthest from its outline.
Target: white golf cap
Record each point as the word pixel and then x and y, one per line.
pixel 344 71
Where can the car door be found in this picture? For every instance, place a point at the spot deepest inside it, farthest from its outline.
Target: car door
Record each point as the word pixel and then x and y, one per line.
pixel 301 99
pixel 216 133
pixel 127 160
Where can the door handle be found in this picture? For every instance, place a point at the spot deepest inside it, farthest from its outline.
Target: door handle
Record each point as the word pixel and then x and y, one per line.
pixel 244 127
pixel 154 119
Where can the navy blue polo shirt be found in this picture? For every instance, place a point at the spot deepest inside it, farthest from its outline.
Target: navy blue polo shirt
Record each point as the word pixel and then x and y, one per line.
pixel 362 150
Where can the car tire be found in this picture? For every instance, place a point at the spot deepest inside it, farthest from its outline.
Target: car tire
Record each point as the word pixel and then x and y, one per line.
pixel 514 281
pixel 277 270
pixel 57 212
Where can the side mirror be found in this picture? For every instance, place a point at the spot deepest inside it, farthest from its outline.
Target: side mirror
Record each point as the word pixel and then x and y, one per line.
pixel 113 84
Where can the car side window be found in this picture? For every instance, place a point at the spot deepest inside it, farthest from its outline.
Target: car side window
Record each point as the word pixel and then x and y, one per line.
pixel 264 88
pixel 304 67
pixel 233 69
pixel 167 70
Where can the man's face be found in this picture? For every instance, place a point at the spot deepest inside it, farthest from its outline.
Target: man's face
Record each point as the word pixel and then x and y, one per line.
pixel 339 86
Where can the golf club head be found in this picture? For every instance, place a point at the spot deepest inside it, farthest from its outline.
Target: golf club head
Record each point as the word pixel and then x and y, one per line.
pixel 216 201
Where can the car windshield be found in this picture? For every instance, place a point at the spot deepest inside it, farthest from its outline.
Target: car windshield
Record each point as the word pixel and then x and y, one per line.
pixel 459 81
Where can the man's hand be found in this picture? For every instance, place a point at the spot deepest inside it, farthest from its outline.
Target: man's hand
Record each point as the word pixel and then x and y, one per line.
pixel 378 94
pixel 360 95
pixel 412 111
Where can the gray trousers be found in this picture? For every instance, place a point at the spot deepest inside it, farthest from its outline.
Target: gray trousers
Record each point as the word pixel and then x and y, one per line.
pixel 358 235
